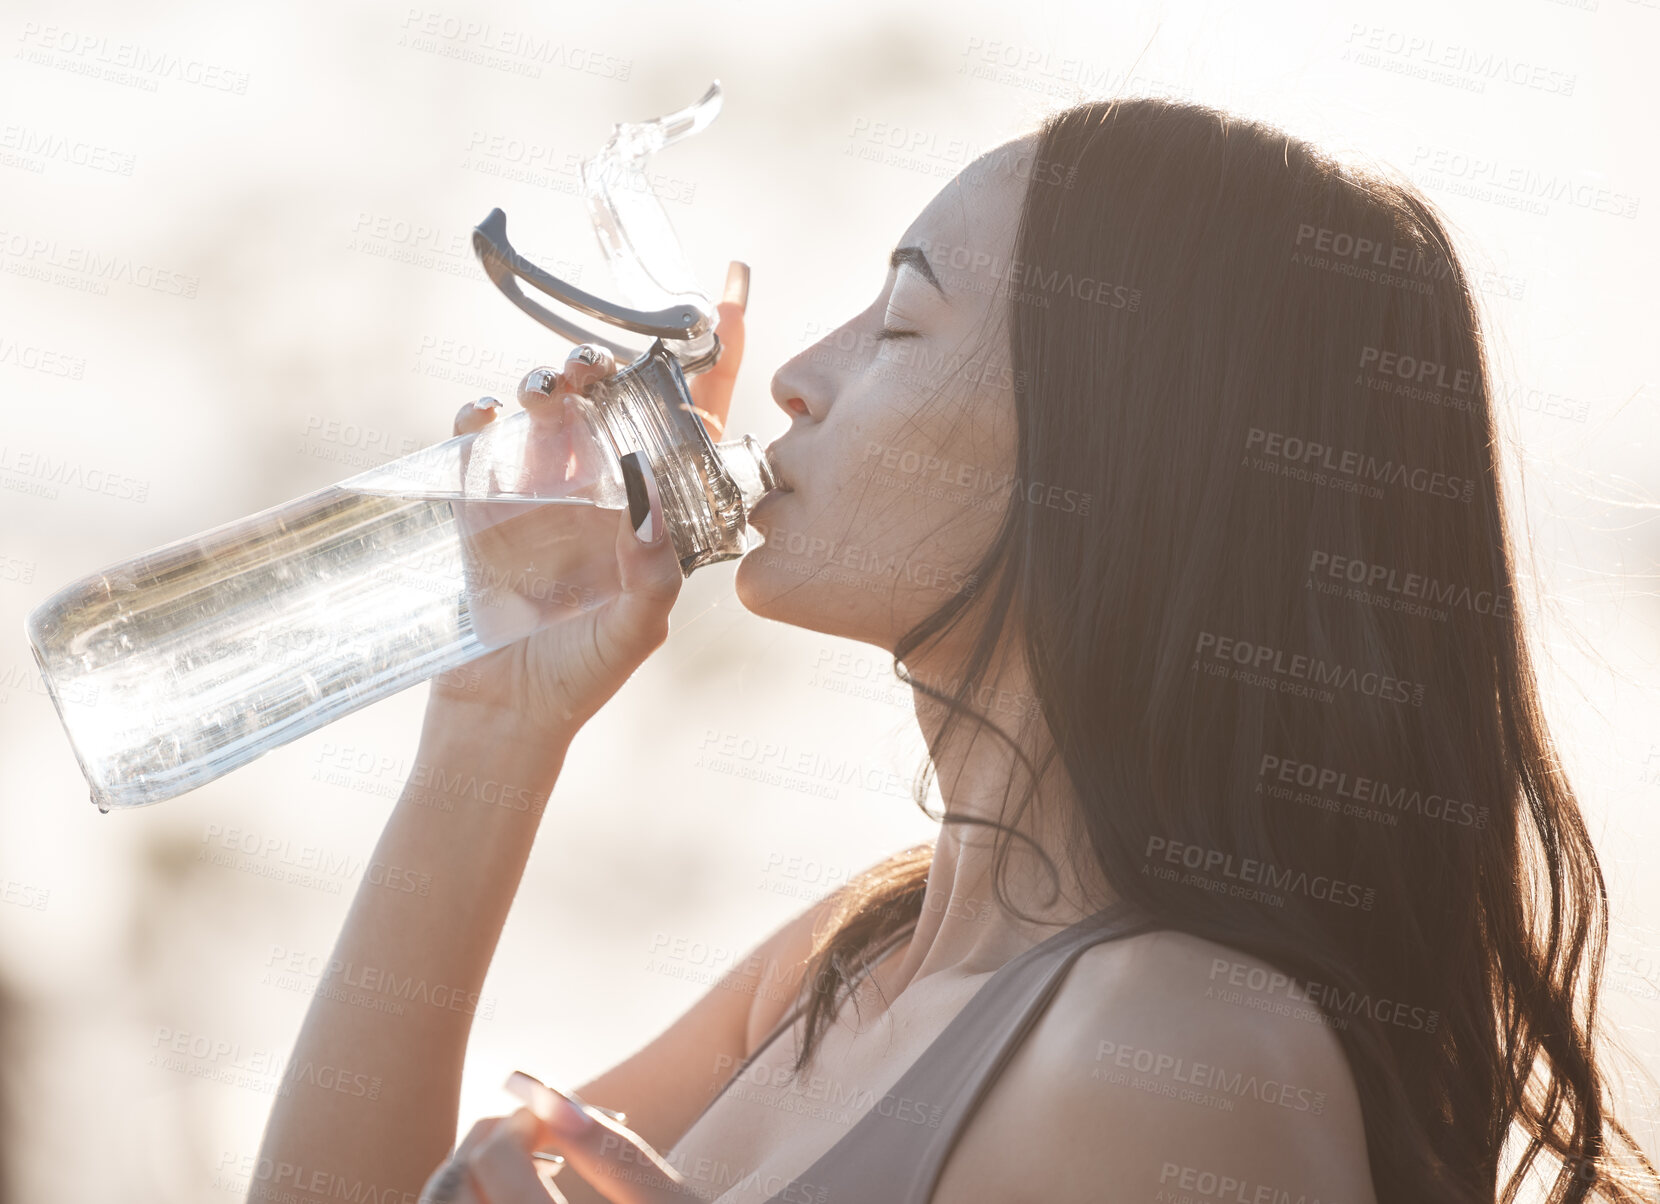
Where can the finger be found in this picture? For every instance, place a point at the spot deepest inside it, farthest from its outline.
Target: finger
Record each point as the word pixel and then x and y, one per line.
pixel 476 415
pixel 589 452
pixel 617 1162
pixel 539 387
pixel 635 622
pixel 539 1097
pixel 712 390
pixel 550 460
pixel 548 455
pixel 476 1135
pixel 470 419
pixel 501 1166
pixel 587 365
pixel 451 1183
pixel 737 284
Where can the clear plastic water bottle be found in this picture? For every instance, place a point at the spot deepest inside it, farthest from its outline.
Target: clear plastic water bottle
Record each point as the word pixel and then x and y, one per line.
pixel 176 667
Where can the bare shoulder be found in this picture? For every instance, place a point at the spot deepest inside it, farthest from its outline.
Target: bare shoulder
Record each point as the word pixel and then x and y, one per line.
pixel 1165 1068
pixel 776 969
pixel 778 966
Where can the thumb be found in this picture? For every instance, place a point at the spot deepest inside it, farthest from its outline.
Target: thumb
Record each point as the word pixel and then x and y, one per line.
pixel 614 1160
pixel 648 568
pixel 611 1158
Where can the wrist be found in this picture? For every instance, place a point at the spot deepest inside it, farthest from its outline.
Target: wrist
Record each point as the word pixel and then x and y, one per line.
pixel 462 738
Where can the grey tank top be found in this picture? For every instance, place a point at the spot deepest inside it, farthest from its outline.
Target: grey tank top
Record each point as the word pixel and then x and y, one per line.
pixel 895 1152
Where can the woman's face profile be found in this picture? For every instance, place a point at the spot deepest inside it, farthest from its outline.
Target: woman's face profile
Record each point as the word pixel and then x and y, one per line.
pixel 902 428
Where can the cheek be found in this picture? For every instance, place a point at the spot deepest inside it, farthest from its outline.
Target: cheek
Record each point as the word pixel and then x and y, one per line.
pixel 943 469
pixel 881 474
pixel 897 506
pixel 914 488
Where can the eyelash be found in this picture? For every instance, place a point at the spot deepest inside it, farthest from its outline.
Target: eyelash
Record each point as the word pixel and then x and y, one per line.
pixel 885 334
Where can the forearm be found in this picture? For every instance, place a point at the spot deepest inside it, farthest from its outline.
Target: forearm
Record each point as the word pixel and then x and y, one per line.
pixel 370 1094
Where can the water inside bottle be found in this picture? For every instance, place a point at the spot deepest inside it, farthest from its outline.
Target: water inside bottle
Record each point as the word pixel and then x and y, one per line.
pixel 183 664
pixel 212 650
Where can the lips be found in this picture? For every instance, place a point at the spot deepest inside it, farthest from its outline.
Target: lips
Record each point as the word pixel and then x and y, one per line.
pixel 778 469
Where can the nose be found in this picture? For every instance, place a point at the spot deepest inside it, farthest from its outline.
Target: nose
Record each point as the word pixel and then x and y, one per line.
pixel 801 386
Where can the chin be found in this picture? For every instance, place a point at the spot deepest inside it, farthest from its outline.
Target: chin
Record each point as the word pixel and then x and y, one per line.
pixel 764 584
pixel 790 589
pixel 778 586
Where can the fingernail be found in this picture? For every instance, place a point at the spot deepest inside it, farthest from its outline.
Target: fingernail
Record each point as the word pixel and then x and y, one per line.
pixel 559 1110
pixel 567 1116
pixel 645 504
pixel 587 354
pixel 487 403
pixel 541 381
pixel 737 283
pixel 620 1117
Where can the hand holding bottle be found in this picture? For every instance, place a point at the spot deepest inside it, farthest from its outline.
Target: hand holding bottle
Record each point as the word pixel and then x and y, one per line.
pixel 559 677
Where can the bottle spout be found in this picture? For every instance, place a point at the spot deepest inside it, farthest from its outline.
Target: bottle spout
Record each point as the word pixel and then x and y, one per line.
pixel 746 462
pixel 639 242
pixel 634 231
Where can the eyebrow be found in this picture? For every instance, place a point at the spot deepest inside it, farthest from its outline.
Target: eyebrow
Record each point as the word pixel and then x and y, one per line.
pixel 919 261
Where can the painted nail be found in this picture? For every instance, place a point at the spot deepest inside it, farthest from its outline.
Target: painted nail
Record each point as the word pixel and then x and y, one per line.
pixel 587 354
pixel 737 283
pixel 620 1117
pixel 567 1115
pixel 541 381
pixel 645 504
pixel 487 403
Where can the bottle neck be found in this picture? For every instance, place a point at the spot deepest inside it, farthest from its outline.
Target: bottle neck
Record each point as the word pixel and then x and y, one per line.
pixel 746 460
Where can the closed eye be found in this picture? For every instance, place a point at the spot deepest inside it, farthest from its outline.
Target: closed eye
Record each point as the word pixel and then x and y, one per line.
pixel 885 334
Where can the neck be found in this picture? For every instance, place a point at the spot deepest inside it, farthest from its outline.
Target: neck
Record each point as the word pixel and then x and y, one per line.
pixel 963 929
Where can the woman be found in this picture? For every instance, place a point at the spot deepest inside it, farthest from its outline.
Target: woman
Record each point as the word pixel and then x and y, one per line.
pixel 1164 465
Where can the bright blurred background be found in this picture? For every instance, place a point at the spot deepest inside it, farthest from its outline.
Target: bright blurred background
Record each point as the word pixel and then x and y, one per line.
pixel 286 192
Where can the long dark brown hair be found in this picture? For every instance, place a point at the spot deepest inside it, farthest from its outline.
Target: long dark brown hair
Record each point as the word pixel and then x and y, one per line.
pixel 1264 368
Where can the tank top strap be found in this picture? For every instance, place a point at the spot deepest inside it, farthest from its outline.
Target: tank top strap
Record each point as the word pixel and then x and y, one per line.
pixel 895 1152
pixel 788 1019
